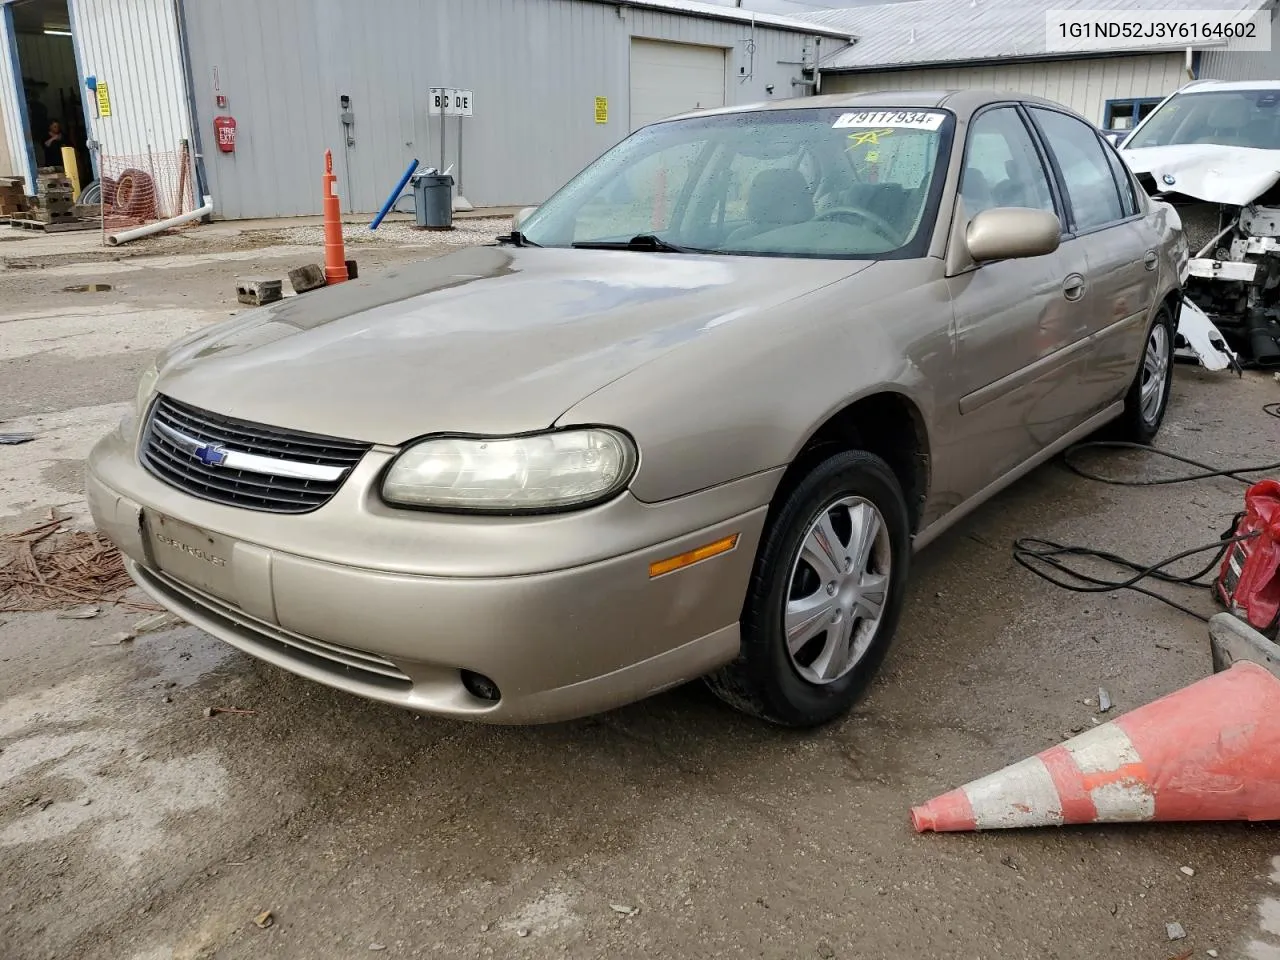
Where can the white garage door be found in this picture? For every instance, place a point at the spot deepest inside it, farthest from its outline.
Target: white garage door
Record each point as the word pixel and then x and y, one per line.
pixel 672 78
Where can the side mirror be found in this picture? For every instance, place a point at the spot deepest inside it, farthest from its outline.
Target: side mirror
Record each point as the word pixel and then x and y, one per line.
pixel 521 217
pixel 1012 233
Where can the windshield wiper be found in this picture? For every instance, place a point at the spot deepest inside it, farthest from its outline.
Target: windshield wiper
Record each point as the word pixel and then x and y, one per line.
pixel 517 239
pixel 643 241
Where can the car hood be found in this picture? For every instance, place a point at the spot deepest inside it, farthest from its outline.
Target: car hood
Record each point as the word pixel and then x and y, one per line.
pixel 1208 171
pixel 488 340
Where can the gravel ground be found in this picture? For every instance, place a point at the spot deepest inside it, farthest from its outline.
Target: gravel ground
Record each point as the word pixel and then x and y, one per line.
pixel 465 233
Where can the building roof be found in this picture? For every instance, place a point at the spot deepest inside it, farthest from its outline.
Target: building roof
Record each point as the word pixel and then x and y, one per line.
pixel 943 32
pixel 714 11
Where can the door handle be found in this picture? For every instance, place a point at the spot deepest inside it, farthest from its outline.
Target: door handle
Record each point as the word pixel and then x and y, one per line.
pixel 1073 287
pixel 1150 260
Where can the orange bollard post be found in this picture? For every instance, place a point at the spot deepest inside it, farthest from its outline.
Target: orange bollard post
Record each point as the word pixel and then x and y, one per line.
pixel 335 256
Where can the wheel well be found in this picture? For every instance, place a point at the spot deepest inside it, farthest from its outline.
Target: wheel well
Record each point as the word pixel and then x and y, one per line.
pixel 886 424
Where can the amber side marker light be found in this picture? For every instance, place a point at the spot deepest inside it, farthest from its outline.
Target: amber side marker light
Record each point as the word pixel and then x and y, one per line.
pixel 661 567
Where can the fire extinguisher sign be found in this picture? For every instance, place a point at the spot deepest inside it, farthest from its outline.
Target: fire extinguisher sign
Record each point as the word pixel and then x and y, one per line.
pixel 225 127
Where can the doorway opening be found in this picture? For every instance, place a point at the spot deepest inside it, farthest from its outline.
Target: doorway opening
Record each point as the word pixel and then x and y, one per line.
pixel 51 88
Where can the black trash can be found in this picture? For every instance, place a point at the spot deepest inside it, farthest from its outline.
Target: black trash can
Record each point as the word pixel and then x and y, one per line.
pixel 433 200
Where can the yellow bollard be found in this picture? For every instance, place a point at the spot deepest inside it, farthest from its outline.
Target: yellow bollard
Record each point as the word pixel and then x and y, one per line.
pixel 72 171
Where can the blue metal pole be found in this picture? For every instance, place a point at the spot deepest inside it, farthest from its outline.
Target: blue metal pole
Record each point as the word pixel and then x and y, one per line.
pixel 395 195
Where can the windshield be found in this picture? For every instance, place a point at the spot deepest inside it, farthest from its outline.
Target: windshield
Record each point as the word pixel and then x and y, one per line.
pixel 801 183
pixel 1231 118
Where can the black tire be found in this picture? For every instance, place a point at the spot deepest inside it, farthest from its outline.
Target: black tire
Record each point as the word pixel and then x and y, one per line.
pixel 763 681
pixel 1134 425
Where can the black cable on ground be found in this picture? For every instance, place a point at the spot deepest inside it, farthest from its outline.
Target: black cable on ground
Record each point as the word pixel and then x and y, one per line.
pixel 1029 550
pixel 1271 410
pixel 1044 558
pixel 1235 473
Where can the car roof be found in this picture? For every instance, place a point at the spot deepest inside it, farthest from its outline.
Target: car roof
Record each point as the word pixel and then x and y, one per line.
pixel 962 102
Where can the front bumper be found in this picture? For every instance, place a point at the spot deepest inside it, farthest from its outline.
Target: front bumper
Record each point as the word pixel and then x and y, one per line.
pixel 559 612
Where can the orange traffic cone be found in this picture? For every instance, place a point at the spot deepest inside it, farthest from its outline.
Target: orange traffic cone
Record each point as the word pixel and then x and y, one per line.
pixel 1210 751
pixel 335 257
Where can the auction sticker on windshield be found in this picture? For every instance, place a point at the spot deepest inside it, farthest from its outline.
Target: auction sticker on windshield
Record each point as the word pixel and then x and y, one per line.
pixel 893 119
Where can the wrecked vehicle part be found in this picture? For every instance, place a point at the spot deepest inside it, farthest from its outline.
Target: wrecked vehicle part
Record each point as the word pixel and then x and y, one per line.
pixel 1213 151
pixel 1200 340
pixel 1234 276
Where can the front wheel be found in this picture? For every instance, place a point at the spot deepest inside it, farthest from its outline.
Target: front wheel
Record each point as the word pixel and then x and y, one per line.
pixel 825 595
pixel 1148 396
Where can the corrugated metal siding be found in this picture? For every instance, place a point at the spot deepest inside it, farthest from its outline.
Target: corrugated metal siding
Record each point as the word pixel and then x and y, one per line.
pixel 1083 85
pixel 7 169
pixel 1227 65
pixel 535 66
pixel 132 45
pixel 939 31
pixel 12 109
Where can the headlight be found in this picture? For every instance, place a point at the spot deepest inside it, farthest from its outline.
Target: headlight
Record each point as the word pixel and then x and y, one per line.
pixel 146 387
pixel 548 471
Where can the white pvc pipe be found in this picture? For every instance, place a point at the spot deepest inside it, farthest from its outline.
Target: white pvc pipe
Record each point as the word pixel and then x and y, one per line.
pixel 139 232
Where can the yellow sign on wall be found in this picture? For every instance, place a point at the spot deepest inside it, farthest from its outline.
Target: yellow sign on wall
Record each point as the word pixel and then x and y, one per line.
pixel 602 109
pixel 104 100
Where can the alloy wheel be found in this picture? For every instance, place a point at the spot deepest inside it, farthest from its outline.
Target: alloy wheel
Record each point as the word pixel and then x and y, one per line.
pixel 837 590
pixel 1155 371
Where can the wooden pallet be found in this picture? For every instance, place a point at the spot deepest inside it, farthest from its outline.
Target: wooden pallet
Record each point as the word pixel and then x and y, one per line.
pixel 19 224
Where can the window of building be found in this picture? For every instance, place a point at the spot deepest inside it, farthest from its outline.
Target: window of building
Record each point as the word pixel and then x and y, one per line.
pixel 1127 114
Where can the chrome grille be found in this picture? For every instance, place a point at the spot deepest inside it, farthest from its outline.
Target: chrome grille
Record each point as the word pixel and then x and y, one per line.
pixel 244 464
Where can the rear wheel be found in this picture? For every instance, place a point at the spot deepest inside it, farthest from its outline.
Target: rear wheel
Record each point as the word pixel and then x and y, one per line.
pixel 825 595
pixel 1148 397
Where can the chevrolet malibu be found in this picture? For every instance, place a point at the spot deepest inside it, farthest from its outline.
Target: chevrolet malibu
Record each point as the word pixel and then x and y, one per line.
pixel 690 419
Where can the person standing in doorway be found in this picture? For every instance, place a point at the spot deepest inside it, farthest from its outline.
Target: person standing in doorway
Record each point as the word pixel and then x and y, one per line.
pixel 53 143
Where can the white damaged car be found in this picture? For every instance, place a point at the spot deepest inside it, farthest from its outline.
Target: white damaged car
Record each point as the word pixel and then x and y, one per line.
pixel 1212 150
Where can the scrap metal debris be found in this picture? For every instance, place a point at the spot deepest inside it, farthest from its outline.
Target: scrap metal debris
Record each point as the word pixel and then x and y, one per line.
pixel 13 439
pixel 1225 197
pixel 1203 340
pixel 41 571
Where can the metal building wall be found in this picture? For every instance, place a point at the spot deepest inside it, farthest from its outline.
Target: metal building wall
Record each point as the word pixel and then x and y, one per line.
pixel 535 66
pixel 1083 85
pixel 13 109
pixel 1232 65
pixel 133 46
pixel 7 169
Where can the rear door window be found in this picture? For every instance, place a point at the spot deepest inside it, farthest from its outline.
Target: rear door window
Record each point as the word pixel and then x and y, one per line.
pixel 1087 175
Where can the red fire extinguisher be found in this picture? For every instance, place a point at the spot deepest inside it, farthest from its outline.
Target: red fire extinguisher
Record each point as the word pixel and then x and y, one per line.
pixel 226 130
pixel 1248 583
